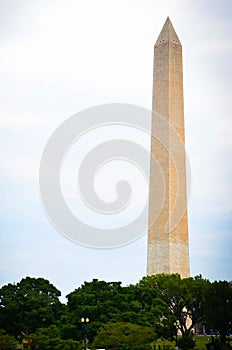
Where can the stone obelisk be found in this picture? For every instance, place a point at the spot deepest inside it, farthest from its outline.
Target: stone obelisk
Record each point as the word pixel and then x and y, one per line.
pixel 168 251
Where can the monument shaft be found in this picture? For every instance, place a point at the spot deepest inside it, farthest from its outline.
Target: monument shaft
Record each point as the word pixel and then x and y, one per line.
pixel 168 250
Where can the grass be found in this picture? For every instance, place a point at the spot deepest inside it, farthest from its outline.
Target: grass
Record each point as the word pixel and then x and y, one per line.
pixel 201 340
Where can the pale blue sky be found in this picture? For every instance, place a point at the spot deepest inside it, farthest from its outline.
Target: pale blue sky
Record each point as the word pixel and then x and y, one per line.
pixel 59 57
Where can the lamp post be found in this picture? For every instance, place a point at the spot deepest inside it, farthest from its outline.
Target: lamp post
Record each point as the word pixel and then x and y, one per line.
pixel 85 322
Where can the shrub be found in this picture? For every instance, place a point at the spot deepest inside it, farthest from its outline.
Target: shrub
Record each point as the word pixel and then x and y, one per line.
pixel 185 343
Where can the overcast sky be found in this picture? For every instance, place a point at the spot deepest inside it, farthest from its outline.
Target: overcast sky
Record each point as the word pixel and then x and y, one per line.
pixel 59 57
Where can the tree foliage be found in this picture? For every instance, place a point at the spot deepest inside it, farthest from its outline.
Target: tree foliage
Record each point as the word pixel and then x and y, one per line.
pixel 184 297
pixel 30 304
pixel 50 339
pixel 123 336
pixel 7 342
pixel 160 304
pixel 218 307
pixel 186 342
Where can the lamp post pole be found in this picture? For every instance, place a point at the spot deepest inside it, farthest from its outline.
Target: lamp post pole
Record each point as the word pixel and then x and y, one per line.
pixel 85 322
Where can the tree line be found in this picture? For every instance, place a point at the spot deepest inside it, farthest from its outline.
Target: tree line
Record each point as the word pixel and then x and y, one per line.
pixel 120 317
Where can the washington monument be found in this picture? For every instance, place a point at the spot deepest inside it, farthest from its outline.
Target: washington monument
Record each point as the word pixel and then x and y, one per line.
pixel 168 250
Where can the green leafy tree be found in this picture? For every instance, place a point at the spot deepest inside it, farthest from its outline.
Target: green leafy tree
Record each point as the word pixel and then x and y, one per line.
pixel 155 311
pixel 102 302
pixel 123 336
pixel 28 305
pixel 68 330
pixel 184 297
pixel 109 302
pixel 50 339
pixel 218 307
pixel 7 342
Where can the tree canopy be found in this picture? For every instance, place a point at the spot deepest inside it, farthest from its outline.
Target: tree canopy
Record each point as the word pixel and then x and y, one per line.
pixel 156 307
pixel 123 336
pixel 184 297
pixel 218 307
pixel 30 304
